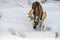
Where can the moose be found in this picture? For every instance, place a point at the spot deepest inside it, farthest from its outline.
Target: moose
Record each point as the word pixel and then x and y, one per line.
pixel 37 15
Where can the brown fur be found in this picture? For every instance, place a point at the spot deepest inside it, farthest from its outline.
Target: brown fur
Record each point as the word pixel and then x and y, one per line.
pixel 36 6
pixel 37 9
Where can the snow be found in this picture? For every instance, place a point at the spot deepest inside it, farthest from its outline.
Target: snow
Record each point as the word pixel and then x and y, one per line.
pixel 15 18
pixel 53 13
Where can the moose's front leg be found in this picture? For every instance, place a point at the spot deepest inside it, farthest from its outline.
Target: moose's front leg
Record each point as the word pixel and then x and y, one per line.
pixel 41 25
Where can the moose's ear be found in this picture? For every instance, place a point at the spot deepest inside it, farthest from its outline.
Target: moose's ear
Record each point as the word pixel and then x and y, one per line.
pixel 44 16
pixel 31 17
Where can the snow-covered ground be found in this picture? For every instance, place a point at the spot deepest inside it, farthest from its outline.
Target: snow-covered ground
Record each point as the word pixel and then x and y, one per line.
pixel 15 20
